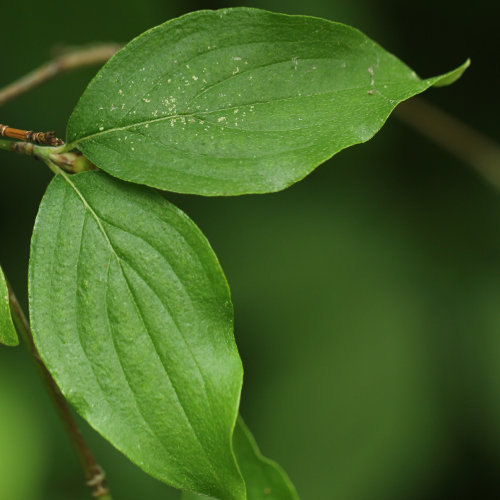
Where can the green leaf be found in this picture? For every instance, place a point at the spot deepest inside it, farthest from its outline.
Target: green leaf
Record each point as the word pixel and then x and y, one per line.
pixel 265 479
pixel 8 334
pixel 132 315
pixel 238 101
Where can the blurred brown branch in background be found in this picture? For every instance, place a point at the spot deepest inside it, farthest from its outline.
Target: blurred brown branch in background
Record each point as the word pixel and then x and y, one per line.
pixel 448 132
pixel 68 60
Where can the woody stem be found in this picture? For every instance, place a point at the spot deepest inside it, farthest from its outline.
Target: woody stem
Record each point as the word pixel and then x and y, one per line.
pixel 96 479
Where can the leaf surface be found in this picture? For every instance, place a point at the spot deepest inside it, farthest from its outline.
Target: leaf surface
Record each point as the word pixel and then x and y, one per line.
pixel 8 334
pixel 238 101
pixel 132 315
pixel 264 478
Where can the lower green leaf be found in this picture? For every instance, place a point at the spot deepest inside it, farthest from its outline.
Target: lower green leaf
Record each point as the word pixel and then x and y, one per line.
pixel 131 313
pixel 8 334
pixel 264 479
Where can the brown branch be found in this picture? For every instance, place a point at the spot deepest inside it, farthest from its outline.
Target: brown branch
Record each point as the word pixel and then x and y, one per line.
pixel 46 138
pixel 94 475
pixel 78 58
pixel 467 144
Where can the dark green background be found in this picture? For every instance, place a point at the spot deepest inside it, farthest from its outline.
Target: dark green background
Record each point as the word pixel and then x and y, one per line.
pixel 366 297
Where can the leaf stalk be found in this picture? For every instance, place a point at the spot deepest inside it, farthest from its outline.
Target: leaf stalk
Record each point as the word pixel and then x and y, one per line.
pixel 72 162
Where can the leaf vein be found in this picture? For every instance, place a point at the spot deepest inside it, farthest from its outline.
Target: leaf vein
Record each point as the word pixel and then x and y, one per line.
pixel 176 392
pixel 120 362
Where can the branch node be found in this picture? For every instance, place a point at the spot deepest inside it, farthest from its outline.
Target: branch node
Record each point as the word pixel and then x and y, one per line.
pixel 97 482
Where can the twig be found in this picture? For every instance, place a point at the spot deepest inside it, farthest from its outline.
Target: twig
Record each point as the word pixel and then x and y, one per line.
pixel 46 138
pixel 470 146
pixel 94 475
pixel 78 58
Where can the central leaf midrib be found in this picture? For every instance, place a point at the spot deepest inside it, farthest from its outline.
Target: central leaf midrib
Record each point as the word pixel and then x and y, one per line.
pixel 193 114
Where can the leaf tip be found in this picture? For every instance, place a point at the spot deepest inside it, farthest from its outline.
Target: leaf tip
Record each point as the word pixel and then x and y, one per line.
pixel 451 76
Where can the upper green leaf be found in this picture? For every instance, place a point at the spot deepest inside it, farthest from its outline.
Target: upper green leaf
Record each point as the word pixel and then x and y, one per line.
pixel 8 334
pixel 237 101
pixel 131 314
pixel 264 479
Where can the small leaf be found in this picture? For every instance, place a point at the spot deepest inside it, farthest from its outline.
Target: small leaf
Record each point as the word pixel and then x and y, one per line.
pixel 265 479
pixel 238 101
pixel 132 315
pixel 8 334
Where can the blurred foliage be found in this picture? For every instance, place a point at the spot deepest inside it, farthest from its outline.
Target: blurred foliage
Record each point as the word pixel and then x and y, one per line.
pixel 366 296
